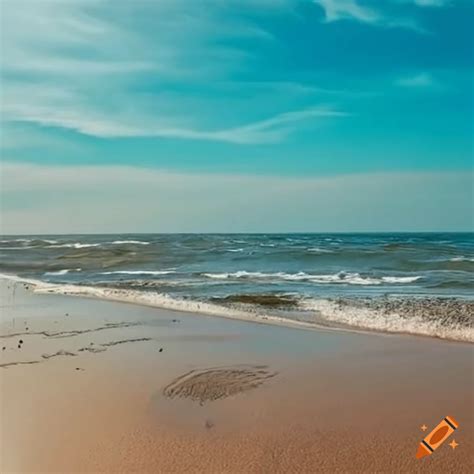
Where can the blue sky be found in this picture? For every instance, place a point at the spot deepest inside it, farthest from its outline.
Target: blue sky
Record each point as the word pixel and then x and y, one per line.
pixel 332 91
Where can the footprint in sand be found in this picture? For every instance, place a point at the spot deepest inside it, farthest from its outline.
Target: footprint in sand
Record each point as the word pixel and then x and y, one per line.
pixel 211 384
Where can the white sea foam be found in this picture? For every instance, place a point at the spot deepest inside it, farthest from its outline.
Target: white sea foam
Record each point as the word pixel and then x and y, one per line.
pixel 333 278
pixel 159 300
pixel 407 279
pixel 80 245
pixel 365 318
pixel 319 250
pixel 75 245
pixel 138 272
pixel 63 272
pixel 8 241
pixel 120 242
pixel 23 247
pixel 461 259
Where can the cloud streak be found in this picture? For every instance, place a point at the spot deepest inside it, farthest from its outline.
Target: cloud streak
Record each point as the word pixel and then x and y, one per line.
pixel 431 3
pixel 42 199
pixel 420 80
pixel 135 69
pixel 335 10
pixel 59 55
pixel 63 110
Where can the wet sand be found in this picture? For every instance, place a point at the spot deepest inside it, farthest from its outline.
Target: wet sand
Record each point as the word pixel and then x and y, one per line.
pixel 97 386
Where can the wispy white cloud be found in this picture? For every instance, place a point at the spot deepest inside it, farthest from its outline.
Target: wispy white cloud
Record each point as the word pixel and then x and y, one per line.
pixel 343 9
pixel 137 68
pixel 41 199
pixel 130 70
pixel 432 3
pixel 65 109
pixel 375 13
pixel 422 79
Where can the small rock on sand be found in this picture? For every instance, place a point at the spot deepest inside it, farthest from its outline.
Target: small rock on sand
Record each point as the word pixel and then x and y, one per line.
pixel 161 349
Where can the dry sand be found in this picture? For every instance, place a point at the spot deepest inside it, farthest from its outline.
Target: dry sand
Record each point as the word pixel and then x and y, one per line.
pixel 97 386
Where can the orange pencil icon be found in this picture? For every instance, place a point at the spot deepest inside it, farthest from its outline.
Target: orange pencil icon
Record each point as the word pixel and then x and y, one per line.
pixel 437 437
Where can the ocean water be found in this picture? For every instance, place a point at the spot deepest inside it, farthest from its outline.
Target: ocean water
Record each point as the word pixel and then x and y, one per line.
pixel 414 283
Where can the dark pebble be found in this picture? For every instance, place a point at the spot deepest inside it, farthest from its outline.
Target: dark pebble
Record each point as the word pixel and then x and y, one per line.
pixel 161 349
pixel 3 348
pixel 21 341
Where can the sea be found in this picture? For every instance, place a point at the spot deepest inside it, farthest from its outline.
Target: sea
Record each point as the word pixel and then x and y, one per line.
pixel 393 282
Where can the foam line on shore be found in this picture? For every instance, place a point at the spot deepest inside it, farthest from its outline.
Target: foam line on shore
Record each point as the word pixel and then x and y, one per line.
pixel 326 311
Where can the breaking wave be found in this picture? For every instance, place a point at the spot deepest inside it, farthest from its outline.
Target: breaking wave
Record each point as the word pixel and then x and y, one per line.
pixel 63 272
pixel 124 242
pixel 138 272
pixel 340 277
pixel 461 259
pixel 392 321
pixel 75 245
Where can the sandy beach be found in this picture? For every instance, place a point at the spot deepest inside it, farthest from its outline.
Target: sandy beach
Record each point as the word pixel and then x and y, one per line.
pixel 99 386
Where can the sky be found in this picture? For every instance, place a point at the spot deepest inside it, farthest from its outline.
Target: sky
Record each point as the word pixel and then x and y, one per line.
pixel 236 115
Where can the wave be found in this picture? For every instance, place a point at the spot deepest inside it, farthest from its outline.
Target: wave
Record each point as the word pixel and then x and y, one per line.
pixel 392 321
pixel 48 243
pixel 75 245
pixel 158 300
pixel 407 279
pixel 122 242
pixel 63 272
pixel 138 272
pixel 337 278
pixel 461 259
pixel 8 241
pixel 319 250
pixel 24 243
pixel 343 316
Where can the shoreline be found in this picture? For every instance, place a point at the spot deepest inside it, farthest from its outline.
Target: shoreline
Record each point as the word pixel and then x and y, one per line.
pixel 343 310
